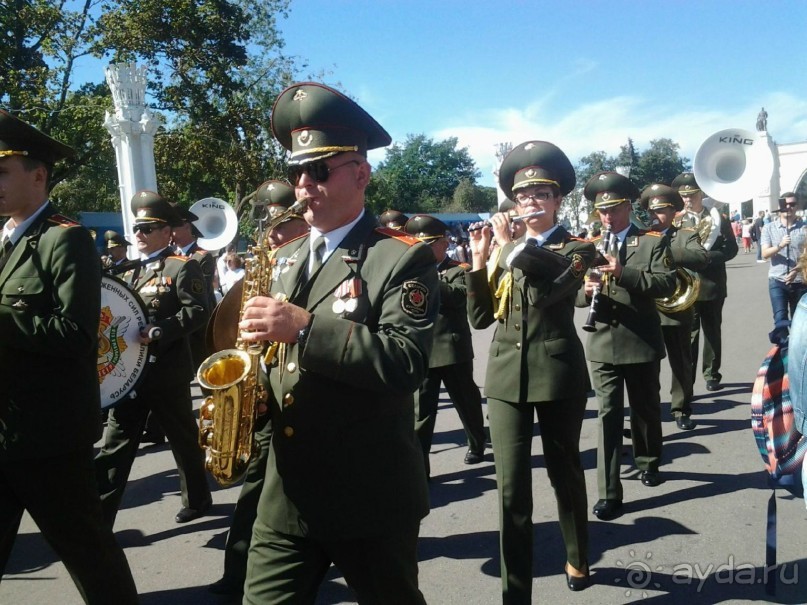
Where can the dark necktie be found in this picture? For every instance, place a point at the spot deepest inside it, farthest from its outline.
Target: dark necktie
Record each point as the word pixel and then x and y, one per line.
pixel 317 250
pixel 7 246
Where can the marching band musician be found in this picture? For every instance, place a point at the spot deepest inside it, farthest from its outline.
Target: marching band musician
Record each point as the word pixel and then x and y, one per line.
pixel 271 199
pixel 451 360
pixel 344 479
pixel 709 306
pixel 114 261
pixel 173 291
pixel 536 365
pixel 626 349
pixel 663 203
pixel 50 302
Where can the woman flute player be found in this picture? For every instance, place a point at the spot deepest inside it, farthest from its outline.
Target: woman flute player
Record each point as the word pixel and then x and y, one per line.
pixel 537 365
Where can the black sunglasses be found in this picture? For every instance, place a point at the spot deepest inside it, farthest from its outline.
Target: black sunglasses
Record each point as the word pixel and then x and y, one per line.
pixel 146 229
pixel 317 170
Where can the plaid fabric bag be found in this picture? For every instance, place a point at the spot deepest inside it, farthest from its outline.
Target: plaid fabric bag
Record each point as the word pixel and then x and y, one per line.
pixel 782 447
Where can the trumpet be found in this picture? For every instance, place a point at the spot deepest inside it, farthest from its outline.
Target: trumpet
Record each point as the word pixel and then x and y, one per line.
pixel 604 248
pixel 517 217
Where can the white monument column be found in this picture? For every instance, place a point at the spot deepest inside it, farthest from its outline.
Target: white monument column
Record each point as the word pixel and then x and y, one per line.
pixel 132 127
pixel 767 197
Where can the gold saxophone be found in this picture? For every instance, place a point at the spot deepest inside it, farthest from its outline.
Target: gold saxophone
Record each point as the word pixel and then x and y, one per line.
pixel 227 416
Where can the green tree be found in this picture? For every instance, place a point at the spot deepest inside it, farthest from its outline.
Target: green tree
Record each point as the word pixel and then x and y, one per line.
pixel 215 68
pixel 661 163
pixel 420 175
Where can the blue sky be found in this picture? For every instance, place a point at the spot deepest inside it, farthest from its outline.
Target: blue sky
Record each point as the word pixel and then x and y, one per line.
pixel 584 75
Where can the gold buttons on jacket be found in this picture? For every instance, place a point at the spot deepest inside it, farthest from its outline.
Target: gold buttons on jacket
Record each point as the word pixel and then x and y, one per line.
pixel 518 346
pixel 288 431
pixel 292 367
pixel 288 399
pixel 517 327
pixel 517 307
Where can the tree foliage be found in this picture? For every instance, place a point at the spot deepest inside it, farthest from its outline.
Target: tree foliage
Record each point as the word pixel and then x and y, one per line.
pixel 421 175
pixel 215 68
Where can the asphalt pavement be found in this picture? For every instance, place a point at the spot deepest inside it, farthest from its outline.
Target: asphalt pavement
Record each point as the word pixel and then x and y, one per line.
pixel 697 538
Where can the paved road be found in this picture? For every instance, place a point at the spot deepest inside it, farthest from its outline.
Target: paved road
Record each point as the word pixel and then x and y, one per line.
pixel 697 538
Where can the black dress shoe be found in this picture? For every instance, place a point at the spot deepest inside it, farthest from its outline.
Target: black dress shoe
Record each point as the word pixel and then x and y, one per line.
pixel 227 587
pixel 650 478
pixel 685 423
pixel 713 385
pixel 607 509
pixel 472 457
pixel 577 583
pixel 189 514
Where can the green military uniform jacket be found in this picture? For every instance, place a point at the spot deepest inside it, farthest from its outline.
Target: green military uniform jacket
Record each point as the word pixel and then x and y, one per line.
pixel 713 276
pixel 50 304
pixel 452 335
pixel 687 253
pixel 173 291
pixel 345 462
pixel 536 354
pixel 198 339
pixel 628 326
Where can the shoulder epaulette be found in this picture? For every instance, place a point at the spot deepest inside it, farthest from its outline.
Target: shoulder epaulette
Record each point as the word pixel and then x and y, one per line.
pixel 649 232
pixel 184 259
pixel 465 266
pixel 284 244
pixel 63 221
pixel 572 238
pixel 456 263
pixel 201 251
pixel 401 237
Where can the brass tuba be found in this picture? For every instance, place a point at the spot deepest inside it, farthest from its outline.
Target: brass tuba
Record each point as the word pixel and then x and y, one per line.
pixel 687 288
pixel 227 416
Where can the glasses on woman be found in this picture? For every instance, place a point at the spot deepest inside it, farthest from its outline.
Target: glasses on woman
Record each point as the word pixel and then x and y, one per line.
pixel 318 170
pixel 538 196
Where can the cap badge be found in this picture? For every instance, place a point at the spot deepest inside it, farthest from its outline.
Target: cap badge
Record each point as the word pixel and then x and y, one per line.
pixel 606 196
pixel 602 177
pixel 299 95
pixel 531 173
pixel 304 138
pixel 144 194
pixel 529 146
pixel 142 212
pixel 654 187
pixel 657 200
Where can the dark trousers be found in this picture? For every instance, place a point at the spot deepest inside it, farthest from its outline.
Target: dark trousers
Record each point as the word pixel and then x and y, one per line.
pixel 679 356
pixel 61 496
pixel 511 430
pixel 709 318
pixel 173 408
pixel 285 569
pixel 784 298
pixel 642 383
pixel 459 381
pixel 246 509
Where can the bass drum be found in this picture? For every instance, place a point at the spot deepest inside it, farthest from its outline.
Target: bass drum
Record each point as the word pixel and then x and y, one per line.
pixel 122 358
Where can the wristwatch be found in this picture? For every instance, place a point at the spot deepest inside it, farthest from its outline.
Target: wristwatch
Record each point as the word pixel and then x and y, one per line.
pixel 302 335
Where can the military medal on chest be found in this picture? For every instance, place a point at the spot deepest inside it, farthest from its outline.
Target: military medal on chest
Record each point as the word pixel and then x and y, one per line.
pixel 346 295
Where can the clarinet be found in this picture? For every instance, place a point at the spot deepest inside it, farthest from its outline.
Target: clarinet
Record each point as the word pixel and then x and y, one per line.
pixel 603 248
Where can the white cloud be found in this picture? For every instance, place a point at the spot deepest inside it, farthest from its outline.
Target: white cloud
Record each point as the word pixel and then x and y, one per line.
pixel 606 125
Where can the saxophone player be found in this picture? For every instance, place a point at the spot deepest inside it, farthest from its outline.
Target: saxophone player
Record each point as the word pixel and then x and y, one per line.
pixel 626 349
pixel 345 482
pixel 663 203
pixel 721 247
pixel 537 366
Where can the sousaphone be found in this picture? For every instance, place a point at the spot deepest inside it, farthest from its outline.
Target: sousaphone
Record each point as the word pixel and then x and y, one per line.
pixel 218 223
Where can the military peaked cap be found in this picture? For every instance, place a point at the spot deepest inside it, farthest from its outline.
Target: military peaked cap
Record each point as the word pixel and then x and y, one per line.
pixel 273 198
pixel 19 138
pixel 186 216
pixel 686 184
pixel 394 219
pixel 608 189
pixel 657 196
pixel 426 228
pixel 150 207
pixel 536 163
pixel 315 121
pixel 114 239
